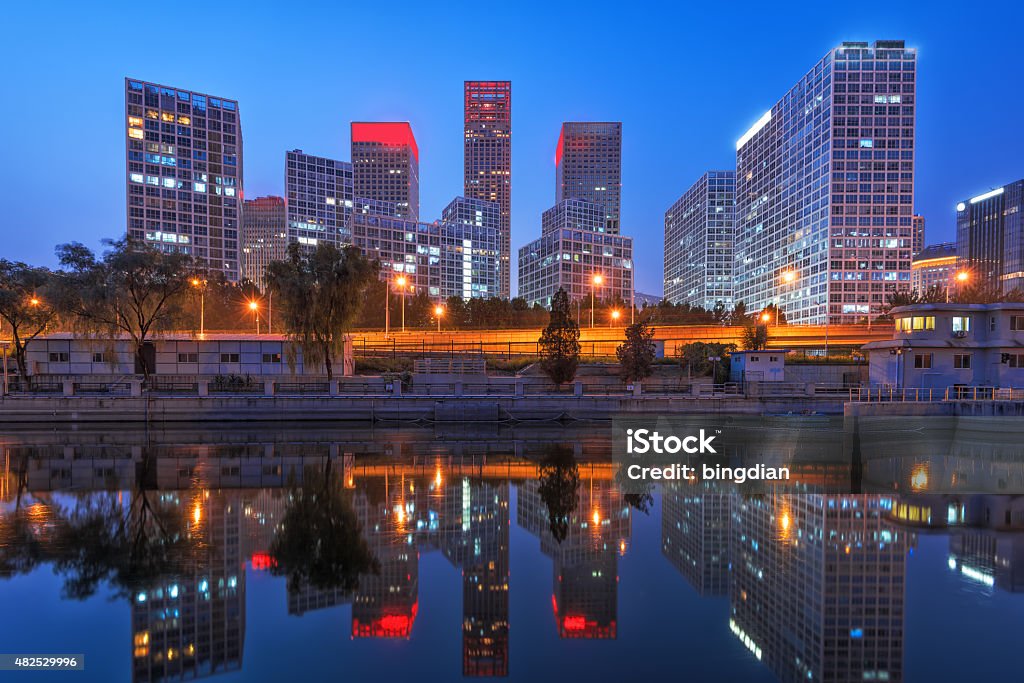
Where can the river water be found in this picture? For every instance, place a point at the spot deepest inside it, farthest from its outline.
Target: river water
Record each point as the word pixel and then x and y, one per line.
pixel 421 553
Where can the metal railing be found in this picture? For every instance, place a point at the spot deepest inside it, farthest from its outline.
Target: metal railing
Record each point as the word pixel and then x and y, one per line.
pixel 885 393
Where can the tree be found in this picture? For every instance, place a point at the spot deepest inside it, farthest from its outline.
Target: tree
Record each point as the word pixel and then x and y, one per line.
pixel 319 297
pixel 559 483
pixel 134 291
pixel 560 342
pixel 695 357
pixel 755 337
pixel 636 354
pixel 319 541
pixel 25 304
pixel 739 314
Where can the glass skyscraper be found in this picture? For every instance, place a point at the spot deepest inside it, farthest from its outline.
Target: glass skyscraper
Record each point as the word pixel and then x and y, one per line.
pixel 487 157
pixel 825 188
pixel 699 230
pixel 588 166
pixel 183 167
pixel 264 236
pixel 386 165
pixel 990 238
pixel 320 199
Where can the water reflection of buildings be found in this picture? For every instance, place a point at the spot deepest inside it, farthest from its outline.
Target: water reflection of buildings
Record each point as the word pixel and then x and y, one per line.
pixel 818 585
pixel 585 563
pixel 695 524
pixel 190 623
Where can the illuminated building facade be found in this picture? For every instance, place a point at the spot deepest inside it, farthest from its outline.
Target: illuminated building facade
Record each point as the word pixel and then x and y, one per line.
pixel 264 236
pixel 445 259
pixel 588 166
pixel 320 199
pixel 934 267
pixel 825 188
pixel 570 253
pixel 918 239
pixel 487 159
pixel 699 229
pixel 990 238
pixel 386 165
pixel 695 535
pixel 818 587
pixel 183 164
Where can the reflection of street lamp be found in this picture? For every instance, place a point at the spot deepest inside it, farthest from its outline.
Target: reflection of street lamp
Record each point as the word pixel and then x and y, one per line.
pixel 598 279
pixel 438 312
pixel 400 281
pixel 255 308
pixel 201 284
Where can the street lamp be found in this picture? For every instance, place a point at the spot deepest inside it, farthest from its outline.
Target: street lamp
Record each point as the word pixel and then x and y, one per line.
pixel 789 276
pixel 400 281
pixel 598 279
pixel 201 284
pixel 766 317
pixel 615 316
pixel 255 308
pixel 961 277
pixel 438 312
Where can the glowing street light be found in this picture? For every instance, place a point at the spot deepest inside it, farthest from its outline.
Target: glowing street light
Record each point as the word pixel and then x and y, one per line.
pixel 789 276
pixel 255 308
pixel 961 277
pixel 597 280
pixel 34 301
pixel 615 316
pixel 201 285
pixel 438 312
pixel 401 282
pixel 766 317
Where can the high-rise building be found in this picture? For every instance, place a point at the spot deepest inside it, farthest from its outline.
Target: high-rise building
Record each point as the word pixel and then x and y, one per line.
pixel 588 166
pixel 990 237
pixel 487 158
pixel 698 242
pixel 320 199
pixel 264 236
pixel 695 535
pixel 183 156
pixel 456 256
pixel 571 253
pixel 934 267
pixel 918 240
pixel 386 165
pixel 825 188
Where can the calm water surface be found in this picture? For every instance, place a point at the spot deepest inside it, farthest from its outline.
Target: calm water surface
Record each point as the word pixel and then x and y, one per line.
pixel 366 554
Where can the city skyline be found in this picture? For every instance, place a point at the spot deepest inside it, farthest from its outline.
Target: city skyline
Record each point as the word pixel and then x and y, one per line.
pixel 657 167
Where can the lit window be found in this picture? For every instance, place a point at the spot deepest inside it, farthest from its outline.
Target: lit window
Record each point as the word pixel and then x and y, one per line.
pixel 135 133
pixel 961 323
pixel 199 187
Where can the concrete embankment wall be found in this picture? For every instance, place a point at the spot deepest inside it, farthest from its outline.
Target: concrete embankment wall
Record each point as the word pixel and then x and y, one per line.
pixel 405 408
pixel 936 409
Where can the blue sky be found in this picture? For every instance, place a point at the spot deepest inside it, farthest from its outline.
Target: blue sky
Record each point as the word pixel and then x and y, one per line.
pixel 686 81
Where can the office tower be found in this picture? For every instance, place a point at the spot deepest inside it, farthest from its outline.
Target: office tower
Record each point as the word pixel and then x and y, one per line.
pixel 825 189
pixel 695 535
pixel 386 165
pixel 487 158
pixel 990 238
pixel 571 252
pixel 818 586
pixel 264 236
pixel 918 240
pixel 934 267
pixel 320 199
pixel 445 259
pixel 588 166
pixel 183 158
pixel 698 242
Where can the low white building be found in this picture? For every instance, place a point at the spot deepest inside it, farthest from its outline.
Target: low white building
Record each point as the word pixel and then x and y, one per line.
pixel 947 345
pixel 176 354
pixel 768 365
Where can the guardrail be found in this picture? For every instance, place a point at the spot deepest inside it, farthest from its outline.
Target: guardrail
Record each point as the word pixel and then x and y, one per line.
pixel 887 393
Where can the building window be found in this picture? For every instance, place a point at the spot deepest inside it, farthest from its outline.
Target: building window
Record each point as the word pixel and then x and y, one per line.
pixel 58 357
pixel 923 322
pixel 773 359
pixel 754 359
pixel 1017 323
pixel 229 358
pixel 188 357
pixel 923 361
pixel 271 358
pixel 1014 360
pixel 962 361
pixel 961 323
